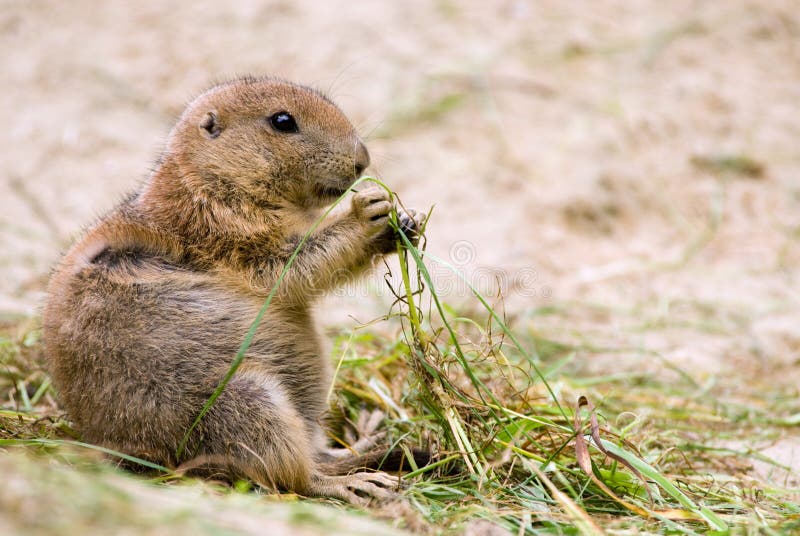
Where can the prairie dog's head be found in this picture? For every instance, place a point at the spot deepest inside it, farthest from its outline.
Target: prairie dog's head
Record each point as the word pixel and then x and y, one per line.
pixel 267 140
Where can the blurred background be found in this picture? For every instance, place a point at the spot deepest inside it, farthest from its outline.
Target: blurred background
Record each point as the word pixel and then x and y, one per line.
pixel 624 172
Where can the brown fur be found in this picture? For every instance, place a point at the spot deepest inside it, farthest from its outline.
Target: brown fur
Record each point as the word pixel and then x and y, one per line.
pixel 147 310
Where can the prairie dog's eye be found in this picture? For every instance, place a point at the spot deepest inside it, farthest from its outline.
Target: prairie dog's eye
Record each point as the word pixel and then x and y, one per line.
pixel 283 122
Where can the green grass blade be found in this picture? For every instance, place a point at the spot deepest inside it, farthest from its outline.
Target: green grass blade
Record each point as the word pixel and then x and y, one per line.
pixel 61 442
pixel 652 474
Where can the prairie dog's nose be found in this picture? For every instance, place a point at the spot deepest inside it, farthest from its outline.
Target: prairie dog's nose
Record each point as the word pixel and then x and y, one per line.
pixel 362 158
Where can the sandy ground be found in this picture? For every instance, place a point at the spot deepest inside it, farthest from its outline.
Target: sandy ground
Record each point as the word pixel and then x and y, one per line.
pixel 633 163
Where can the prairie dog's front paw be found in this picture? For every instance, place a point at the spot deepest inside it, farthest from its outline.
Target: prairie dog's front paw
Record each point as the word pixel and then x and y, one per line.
pixel 371 208
pixel 411 222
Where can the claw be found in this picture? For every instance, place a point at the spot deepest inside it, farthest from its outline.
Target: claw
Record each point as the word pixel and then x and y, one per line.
pixel 383 479
pixel 371 489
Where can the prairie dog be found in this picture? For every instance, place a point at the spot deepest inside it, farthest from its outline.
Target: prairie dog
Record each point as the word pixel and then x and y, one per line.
pixel 146 311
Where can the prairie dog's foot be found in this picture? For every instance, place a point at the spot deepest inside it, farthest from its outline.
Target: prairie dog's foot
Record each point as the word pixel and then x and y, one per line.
pixel 357 488
pixel 366 434
pixel 363 438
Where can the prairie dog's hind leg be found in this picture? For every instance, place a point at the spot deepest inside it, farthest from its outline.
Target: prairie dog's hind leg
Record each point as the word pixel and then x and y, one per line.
pixel 253 431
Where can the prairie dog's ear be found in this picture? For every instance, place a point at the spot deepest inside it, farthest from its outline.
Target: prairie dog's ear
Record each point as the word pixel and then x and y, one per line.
pixel 210 124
